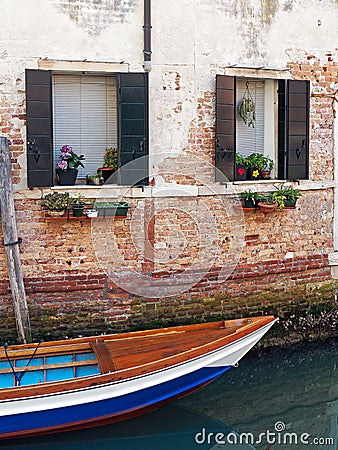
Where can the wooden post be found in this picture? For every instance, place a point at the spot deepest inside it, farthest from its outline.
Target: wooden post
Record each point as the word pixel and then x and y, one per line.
pixel 11 243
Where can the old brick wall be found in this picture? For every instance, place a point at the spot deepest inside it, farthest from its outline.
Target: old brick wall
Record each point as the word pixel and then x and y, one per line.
pixel 77 283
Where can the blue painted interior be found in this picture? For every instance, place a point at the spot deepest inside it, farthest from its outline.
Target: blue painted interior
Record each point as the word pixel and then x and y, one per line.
pixel 31 377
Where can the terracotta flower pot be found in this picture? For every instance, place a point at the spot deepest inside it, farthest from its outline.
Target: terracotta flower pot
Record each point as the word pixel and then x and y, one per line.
pixel 266 208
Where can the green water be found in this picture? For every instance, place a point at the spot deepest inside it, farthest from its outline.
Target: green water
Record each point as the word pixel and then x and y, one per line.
pixel 281 398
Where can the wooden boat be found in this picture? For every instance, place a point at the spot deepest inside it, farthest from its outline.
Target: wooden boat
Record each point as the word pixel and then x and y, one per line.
pixel 77 383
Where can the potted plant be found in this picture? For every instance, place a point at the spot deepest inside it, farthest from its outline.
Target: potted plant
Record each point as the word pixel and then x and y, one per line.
pixel 247 108
pixel 56 203
pixel 286 197
pixel 267 168
pixel 96 179
pixel 241 168
pixel 255 162
pixel 249 199
pixel 93 212
pixel 67 168
pixel 78 205
pixel 267 203
pixel 110 163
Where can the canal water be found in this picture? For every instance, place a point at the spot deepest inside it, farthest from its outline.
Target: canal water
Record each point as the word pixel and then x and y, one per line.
pixel 276 399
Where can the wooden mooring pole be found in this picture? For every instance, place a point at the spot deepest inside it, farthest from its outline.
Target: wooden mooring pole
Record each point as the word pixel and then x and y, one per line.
pixel 11 243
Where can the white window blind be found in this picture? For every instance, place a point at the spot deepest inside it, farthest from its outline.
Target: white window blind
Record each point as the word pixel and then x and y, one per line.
pixel 250 140
pixel 84 117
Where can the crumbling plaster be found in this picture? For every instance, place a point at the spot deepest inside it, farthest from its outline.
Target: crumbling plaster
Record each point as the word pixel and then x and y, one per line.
pixel 40 29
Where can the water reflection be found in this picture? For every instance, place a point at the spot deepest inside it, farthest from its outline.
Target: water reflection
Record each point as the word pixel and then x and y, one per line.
pixel 297 387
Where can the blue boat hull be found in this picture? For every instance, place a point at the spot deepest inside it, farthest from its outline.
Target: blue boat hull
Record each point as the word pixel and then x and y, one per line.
pixel 108 410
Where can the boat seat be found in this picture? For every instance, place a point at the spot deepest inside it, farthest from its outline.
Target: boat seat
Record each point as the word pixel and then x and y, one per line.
pixel 104 358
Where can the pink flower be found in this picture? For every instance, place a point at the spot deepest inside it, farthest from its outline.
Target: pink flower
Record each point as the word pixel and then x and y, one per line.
pixel 63 165
pixel 66 149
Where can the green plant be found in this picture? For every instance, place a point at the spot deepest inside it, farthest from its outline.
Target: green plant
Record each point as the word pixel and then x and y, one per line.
pixel 95 176
pixel 247 108
pixel 268 163
pixel 255 161
pixel 110 158
pixel 249 196
pixel 56 201
pixel 266 199
pixel 78 200
pixel 240 160
pixel 285 193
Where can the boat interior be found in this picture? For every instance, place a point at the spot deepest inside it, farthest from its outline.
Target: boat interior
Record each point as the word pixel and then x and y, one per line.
pixel 33 364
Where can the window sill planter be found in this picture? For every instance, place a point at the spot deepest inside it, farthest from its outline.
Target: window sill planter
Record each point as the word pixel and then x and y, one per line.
pixel 112 209
pixel 66 177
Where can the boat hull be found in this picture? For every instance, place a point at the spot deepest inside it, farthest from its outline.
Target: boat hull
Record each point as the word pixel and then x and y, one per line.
pixel 119 400
pixel 108 410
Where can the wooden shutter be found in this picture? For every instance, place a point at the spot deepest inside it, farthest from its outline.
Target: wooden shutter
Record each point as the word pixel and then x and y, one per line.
pixel 133 128
pixel 293 129
pixel 225 128
pixel 39 128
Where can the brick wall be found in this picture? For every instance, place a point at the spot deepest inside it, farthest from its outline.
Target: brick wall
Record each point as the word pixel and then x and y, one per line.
pixel 280 261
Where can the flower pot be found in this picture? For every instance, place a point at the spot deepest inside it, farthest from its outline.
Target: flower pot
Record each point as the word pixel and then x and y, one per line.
pixel 92 213
pixel 290 204
pixel 266 174
pixel 249 203
pixel 266 208
pixel 78 210
pixel 240 172
pixel 56 213
pixel 66 177
pixel 94 181
pixel 253 174
pixel 107 172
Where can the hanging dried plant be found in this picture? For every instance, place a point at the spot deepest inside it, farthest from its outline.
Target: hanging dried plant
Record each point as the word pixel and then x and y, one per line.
pixel 247 108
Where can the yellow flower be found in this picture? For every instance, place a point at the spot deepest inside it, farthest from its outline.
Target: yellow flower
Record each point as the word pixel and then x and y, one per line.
pixel 255 173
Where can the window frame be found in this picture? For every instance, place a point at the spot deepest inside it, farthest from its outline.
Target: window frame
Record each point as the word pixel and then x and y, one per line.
pixel 132 96
pixel 293 112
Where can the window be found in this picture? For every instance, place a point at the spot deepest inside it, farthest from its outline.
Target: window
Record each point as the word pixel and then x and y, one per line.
pixel 281 128
pixel 90 113
pixel 84 116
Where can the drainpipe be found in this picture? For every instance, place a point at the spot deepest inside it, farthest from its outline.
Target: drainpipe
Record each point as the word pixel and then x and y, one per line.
pixel 147 36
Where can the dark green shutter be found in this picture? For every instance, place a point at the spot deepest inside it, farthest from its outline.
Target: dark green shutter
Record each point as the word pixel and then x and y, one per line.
pixel 293 129
pixel 39 128
pixel 133 128
pixel 225 150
